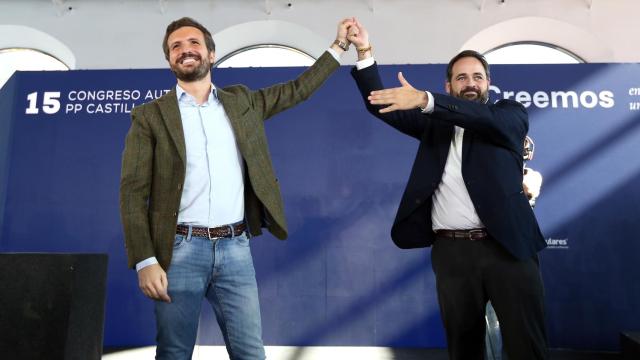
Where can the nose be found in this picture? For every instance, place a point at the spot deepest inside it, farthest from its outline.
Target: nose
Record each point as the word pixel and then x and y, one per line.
pixel 186 48
pixel 469 82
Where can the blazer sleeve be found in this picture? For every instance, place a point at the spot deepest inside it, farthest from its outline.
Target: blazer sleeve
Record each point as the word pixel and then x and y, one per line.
pixel 505 123
pixel 410 122
pixel 274 99
pixel 135 187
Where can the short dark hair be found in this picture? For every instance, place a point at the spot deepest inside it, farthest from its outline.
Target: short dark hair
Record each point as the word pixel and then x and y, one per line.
pixel 464 54
pixel 187 21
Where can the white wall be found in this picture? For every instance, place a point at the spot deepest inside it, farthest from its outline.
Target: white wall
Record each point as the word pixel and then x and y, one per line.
pixel 127 34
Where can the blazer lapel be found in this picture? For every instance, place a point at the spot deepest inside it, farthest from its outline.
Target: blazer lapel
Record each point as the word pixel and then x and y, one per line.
pixel 171 116
pixel 235 113
pixel 446 132
pixel 466 145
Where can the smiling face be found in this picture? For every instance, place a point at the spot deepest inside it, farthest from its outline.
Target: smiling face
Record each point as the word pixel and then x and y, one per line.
pixel 468 80
pixel 189 57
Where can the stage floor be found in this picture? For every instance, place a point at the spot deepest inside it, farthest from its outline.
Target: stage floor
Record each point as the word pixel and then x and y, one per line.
pixel 337 353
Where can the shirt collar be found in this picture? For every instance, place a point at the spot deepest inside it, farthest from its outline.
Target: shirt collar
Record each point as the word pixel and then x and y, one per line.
pixel 183 96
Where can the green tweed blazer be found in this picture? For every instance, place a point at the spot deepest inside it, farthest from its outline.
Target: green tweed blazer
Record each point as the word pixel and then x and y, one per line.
pixel 154 162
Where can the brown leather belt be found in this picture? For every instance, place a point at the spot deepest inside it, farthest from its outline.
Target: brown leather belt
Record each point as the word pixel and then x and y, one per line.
pixel 218 232
pixel 473 234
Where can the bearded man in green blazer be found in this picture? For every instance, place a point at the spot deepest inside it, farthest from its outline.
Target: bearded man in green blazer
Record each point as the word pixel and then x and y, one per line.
pixel 197 182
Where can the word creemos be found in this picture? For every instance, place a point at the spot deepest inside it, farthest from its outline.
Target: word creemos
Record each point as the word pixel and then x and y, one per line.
pixel 559 98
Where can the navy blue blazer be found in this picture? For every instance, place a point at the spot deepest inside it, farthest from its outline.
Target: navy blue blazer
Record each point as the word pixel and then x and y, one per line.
pixel 492 166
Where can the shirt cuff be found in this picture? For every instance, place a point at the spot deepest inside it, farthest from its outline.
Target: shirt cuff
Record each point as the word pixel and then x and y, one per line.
pixel 146 262
pixel 364 63
pixel 430 104
pixel 334 54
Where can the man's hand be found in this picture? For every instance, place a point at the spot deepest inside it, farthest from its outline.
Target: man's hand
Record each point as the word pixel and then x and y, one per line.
pixel 152 280
pixel 531 183
pixel 359 37
pixel 343 28
pixel 401 98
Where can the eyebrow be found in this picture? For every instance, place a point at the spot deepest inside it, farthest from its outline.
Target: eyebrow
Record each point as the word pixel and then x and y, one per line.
pixel 189 39
pixel 474 74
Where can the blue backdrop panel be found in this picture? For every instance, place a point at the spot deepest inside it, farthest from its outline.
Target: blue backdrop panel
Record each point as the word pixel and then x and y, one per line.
pixel 339 280
pixel 6 107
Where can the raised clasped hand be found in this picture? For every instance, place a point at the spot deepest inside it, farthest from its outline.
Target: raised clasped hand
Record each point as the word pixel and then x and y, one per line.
pixel 343 29
pixel 358 35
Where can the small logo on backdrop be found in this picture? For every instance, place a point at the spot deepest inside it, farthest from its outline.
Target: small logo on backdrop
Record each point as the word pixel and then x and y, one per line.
pixel 557 243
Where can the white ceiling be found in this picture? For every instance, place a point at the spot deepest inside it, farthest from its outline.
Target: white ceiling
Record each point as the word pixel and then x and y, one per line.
pixel 98 34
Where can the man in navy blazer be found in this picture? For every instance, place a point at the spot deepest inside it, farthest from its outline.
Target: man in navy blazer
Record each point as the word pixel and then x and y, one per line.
pixel 465 199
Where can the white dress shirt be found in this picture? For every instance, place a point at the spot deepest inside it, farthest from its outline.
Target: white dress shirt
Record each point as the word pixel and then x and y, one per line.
pixel 452 207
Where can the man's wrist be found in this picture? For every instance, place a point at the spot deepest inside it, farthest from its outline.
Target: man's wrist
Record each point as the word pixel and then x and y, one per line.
pixel 341 44
pixel 428 107
pixel 424 100
pixel 364 52
pixel 146 262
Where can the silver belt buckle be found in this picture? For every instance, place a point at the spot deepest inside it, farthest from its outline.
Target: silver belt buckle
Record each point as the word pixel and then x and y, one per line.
pixel 475 234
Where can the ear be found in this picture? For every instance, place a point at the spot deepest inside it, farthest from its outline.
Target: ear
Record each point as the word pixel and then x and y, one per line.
pixel 212 57
pixel 447 87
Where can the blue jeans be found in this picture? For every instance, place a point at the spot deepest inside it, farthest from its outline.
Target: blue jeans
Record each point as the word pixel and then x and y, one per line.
pixel 221 271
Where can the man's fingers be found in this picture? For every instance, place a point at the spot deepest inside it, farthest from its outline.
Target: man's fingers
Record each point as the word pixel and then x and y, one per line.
pixel 399 98
pixel 387 91
pixel 384 97
pixel 346 23
pixel 153 282
pixel 381 100
pixel 144 291
pixel 164 283
pixel 156 291
pixel 384 100
pixel 388 109
pixel 386 94
pixel 162 295
pixel 402 80
pixel 149 291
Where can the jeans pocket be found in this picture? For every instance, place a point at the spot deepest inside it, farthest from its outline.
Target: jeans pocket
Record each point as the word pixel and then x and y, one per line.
pixel 243 240
pixel 179 241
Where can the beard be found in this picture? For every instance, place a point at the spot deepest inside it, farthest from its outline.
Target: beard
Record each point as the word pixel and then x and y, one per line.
pixel 481 96
pixel 191 74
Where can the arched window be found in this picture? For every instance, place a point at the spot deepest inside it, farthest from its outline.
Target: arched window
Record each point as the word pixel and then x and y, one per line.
pixel 530 52
pixel 265 55
pixel 13 59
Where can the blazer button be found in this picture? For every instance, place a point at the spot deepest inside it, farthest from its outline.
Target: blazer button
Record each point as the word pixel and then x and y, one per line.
pixel 175 214
pixel 179 186
pixel 418 201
